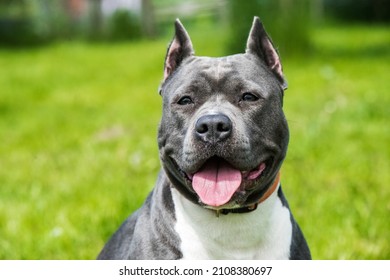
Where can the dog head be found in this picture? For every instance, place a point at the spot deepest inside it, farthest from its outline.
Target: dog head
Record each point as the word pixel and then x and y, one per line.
pixel 223 135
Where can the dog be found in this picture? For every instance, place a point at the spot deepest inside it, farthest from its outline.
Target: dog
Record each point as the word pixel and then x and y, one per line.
pixel 222 140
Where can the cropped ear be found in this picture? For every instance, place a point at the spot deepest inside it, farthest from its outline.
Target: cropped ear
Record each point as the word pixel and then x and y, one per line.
pixel 260 44
pixel 178 50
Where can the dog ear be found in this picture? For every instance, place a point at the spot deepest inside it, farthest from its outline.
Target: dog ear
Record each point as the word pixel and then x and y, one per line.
pixel 260 44
pixel 178 50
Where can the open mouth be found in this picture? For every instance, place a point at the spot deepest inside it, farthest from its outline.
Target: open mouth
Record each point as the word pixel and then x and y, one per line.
pixel 217 181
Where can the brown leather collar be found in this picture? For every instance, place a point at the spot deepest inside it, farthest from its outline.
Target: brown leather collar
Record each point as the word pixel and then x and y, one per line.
pixel 253 207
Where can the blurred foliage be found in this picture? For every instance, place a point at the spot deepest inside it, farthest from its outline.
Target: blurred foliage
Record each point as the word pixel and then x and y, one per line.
pixel 25 23
pixel 18 32
pixel 123 25
pixel 32 22
pixel 359 10
pixel 286 22
pixel 16 26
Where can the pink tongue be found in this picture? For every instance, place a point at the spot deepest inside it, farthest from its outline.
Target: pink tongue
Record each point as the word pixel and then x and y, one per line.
pixel 216 182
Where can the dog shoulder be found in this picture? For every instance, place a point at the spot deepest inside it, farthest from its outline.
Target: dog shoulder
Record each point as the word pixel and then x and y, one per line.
pixel 299 250
pixel 117 248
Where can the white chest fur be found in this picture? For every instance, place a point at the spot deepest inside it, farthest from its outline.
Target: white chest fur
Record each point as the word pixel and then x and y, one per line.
pixel 261 234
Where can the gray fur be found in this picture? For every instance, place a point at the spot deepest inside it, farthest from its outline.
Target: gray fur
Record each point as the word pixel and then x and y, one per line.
pixel 140 236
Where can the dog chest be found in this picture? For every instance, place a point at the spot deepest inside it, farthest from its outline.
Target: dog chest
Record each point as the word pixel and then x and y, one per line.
pixel 263 234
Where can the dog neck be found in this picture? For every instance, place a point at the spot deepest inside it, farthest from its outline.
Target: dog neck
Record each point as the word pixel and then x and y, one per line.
pixel 252 207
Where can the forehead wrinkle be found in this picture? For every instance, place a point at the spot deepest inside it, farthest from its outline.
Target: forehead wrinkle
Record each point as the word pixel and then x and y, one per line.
pixel 218 71
pixel 221 68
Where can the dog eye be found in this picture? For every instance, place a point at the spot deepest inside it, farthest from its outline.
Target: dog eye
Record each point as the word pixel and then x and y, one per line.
pixel 250 97
pixel 185 100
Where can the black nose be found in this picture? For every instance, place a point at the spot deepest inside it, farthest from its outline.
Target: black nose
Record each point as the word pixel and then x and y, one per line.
pixel 213 128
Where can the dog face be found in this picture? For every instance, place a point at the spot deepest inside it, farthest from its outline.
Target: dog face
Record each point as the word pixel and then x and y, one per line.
pixel 223 135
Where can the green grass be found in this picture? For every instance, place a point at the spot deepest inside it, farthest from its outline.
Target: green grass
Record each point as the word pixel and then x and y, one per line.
pixel 78 148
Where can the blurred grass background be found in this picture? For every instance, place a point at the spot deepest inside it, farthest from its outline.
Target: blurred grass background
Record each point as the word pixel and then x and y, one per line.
pixel 78 124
